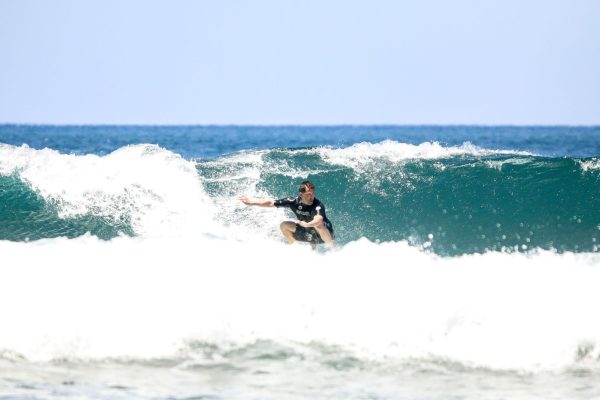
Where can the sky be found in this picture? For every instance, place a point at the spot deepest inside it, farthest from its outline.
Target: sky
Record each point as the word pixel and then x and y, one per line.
pixel 309 62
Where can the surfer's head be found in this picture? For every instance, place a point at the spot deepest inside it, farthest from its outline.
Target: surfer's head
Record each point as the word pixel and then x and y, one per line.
pixel 307 191
pixel 306 186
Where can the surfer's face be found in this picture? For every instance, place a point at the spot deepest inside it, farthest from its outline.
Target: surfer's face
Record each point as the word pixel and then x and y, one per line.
pixel 307 194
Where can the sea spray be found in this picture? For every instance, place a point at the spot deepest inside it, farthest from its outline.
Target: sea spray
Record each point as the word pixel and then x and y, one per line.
pixel 134 298
pixel 142 190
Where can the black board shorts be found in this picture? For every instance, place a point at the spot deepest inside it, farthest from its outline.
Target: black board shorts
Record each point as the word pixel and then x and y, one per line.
pixel 310 235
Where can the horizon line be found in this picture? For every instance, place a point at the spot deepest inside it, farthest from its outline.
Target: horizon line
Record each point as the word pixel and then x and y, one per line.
pixel 548 125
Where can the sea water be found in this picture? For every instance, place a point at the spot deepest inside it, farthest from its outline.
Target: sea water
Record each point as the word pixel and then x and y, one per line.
pixel 467 263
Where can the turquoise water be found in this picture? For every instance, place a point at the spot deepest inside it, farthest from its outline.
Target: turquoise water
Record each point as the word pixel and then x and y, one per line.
pixel 502 189
pixel 461 204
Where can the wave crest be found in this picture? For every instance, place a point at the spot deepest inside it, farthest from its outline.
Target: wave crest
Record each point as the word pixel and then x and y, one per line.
pixel 364 153
pixel 156 190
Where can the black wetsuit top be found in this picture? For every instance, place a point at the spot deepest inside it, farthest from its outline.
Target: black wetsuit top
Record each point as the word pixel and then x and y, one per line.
pixel 306 213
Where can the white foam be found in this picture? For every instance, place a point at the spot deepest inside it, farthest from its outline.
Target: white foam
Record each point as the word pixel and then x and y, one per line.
pixel 590 165
pixel 134 297
pixel 361 154
pixel 499 164
pixel 240 174
pixel 159 191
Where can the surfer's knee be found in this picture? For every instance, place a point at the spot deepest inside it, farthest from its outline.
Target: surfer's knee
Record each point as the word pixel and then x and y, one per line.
pixel 320 225
pixel 287 226
pixel 288 229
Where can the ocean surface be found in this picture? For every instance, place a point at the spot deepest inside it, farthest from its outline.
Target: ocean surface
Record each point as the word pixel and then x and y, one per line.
pixel 467 264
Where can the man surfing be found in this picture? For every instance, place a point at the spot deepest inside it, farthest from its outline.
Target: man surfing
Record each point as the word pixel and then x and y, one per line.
pixel 312 225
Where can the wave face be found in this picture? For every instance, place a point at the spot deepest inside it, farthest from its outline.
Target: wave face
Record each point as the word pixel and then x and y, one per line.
pixel 451 200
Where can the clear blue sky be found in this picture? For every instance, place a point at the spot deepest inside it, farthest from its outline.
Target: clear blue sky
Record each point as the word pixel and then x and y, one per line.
pixel 300 62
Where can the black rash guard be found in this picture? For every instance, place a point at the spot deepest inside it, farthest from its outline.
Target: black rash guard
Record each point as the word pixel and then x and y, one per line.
pixel 306 213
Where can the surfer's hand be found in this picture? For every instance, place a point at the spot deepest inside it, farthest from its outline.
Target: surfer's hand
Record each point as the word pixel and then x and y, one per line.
pixel 301 223
pixel 244 199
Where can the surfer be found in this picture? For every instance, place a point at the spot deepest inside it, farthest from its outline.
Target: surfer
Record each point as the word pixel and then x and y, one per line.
pixel 312 225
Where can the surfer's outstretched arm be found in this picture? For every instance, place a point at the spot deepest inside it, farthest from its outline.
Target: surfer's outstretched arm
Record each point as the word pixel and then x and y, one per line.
pixel 257 202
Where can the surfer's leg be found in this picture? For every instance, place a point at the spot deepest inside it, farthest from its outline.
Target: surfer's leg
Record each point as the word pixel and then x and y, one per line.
pixel 288 228
pixel 325 234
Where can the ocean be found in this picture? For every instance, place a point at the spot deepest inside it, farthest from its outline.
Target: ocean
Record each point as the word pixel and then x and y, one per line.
pixel 467 263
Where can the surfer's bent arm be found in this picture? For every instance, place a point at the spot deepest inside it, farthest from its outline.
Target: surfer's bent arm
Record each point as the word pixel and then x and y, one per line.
pixel 316 221
pixel 257 202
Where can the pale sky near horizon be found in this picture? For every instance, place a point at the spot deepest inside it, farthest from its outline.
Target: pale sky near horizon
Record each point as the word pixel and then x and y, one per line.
pixel 518 62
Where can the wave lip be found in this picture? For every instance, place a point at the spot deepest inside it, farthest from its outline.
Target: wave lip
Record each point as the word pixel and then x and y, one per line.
pixel 155 190
pixel 395 152
pixel 592 164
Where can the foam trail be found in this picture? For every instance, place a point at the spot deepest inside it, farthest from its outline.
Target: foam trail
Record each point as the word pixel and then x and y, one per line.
pixel 146 298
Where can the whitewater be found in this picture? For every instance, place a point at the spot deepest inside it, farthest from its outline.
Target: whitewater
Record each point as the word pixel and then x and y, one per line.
pixel 137 273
